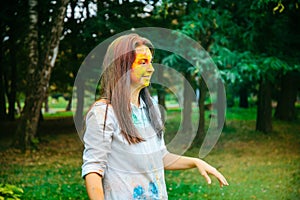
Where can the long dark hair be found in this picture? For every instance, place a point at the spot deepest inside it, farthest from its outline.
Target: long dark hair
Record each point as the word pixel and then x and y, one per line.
pixel 115 85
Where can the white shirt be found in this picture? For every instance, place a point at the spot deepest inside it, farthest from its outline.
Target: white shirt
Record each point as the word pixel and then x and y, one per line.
pixel 133 171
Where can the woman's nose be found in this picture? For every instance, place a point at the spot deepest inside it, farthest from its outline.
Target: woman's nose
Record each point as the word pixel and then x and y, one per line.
pixel 150 68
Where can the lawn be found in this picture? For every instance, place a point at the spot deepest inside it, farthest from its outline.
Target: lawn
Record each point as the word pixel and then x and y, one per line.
pixel 257 166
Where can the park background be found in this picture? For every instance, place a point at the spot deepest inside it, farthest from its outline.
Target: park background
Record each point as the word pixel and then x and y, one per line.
pixel 255 45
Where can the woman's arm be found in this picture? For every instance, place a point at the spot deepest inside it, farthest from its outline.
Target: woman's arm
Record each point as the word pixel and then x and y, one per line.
pixel 93 182
pixel 176 162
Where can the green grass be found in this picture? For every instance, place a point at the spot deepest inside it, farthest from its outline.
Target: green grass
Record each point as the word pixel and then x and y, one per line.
pixel 51 172
pixel 234 113
pixel 257 166
pixel 58 114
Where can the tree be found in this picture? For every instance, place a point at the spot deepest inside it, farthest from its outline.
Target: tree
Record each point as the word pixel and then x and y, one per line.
pixel 266 54
pixel 13 28
pixel 182 66
pixel 276 53
pixel 246 31
pixel 264 107
pixel 39 70
pixel 199 23
pixel 287 97
pixel 110 18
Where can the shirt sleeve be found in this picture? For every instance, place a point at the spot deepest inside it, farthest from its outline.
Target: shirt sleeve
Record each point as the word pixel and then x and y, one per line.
pixel 97 143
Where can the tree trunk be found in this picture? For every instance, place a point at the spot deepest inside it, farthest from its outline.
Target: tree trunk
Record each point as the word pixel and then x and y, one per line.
pixel 201 127
pixel 187 105
pixel 69 105
pixel 25 134
pixel 243 93
pixel 264 107
pixel 286 109
pixel 221 104
pixel 78 119
pixel 13 79
pixel 38 77
pixel 46 102
pixel 2 91
pixel 161 95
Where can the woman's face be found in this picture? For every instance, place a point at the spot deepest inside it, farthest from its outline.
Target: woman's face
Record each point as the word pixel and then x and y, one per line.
pixel 141 69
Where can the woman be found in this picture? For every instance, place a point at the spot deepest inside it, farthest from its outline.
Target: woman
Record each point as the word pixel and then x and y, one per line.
pixel 125 155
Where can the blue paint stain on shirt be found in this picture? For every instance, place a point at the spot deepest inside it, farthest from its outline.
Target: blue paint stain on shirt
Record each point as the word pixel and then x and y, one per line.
pixel 134 118
pixel 153 190
pixel 139 193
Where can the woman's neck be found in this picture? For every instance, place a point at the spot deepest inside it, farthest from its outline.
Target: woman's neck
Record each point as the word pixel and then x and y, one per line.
pixel 135 96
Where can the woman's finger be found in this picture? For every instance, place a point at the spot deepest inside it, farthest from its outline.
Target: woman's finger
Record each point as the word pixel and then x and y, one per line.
pixel 203 173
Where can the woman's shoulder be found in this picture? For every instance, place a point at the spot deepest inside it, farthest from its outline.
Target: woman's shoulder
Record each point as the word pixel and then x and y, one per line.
pixel 101 108
pixel 101 102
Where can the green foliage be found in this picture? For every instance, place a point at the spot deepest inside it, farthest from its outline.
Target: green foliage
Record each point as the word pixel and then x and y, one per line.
pixel 248 34
pixel 86 28
pixel 177 62
pixel 273 64
pixel 200 24
pixel 248 40
pixel 10 192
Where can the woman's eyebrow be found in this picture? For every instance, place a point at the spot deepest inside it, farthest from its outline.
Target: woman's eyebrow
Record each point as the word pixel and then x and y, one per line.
pixel 145 58
pixel 142 59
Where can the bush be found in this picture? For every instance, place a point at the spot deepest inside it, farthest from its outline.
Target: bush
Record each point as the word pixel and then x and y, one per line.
pixel 10 192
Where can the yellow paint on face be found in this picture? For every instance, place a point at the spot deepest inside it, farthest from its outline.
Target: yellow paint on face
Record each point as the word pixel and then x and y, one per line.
pixel 142 69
